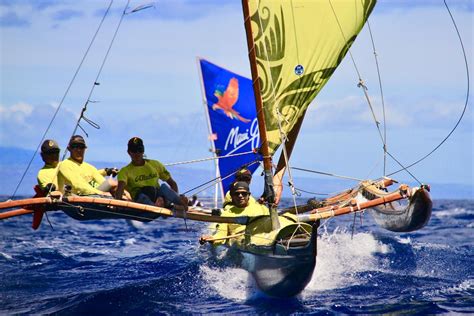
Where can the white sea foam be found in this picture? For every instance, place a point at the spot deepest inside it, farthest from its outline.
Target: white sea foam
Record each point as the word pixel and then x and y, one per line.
pixel 6 256
pixel 231 283
pixel 453 212
pixel 130 241
pixel 403 240
pixel 340 257
pixel 464 287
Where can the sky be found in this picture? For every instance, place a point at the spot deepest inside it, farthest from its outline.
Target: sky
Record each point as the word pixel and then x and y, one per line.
pixel 150 86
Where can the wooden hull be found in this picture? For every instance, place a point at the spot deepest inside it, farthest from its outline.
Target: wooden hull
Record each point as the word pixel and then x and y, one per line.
pixel 90 211
pixel 404 217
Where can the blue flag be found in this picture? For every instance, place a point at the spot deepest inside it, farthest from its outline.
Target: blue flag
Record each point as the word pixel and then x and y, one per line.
pixel 233 117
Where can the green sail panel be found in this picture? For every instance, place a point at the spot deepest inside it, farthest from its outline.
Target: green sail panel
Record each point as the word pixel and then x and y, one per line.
pixel 299 44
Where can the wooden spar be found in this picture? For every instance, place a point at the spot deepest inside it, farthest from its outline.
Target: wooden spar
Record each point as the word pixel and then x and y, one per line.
pixel 17 212
pixel 327 212
pixel 281 166
pixel 211 239
pixel 267 160
pixel 77 200
pixel 25 202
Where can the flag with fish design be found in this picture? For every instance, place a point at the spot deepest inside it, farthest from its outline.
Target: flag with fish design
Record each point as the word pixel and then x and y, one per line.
pixel 230 105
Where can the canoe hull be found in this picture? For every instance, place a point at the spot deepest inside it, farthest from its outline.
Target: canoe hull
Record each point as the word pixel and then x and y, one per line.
pixel 91 211
pixel 404 218
pixel 281 272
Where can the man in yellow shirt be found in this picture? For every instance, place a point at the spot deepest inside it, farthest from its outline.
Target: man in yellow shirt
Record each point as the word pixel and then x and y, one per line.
pixel 240 206
pixel 141 178
pixel 48 175
pixel 244 175
pixel 83 178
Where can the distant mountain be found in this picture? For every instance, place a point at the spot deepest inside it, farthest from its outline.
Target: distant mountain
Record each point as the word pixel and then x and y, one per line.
pixel 13 162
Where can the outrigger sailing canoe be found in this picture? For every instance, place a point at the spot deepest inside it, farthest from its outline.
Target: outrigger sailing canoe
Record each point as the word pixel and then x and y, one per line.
pixel 294 47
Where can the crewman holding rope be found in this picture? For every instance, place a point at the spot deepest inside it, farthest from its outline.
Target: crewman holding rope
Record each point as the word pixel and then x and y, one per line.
pixel 240 206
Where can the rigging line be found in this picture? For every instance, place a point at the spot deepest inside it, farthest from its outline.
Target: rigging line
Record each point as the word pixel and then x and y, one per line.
pixel 283 136
pixel 364 89
pixel 465 104
pixel 310 192
pixel 382 99
pixel 328 174
pixel 284 139
pixel 345 39
pixel 101 68
pixel 207 159
pixel 62 99
pixel 217 180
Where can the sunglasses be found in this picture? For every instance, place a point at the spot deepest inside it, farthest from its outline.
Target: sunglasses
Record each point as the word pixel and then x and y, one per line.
pixel 78 146
pixel 244 194
pixel 136 151
pixel 52 152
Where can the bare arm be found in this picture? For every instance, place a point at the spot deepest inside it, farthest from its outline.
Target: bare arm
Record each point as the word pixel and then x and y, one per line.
pixel 173 184
pixel 120 190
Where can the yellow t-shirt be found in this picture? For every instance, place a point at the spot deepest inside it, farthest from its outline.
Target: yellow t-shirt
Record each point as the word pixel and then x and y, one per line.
pixel 230 210
pixel 84 178
pixel 48 174
pixel 136 177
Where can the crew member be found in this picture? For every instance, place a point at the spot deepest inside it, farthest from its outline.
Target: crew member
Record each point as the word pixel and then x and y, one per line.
pixel 244 175
pixel 194 202
pixel 48 175
pixel 82 177
pixel 240 206
pixel 141 178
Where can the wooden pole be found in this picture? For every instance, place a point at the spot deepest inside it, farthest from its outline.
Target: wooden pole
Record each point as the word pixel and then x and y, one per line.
pixel 17 212
pixel 269 191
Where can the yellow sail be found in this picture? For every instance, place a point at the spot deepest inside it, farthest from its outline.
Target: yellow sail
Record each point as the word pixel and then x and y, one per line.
pixel 299 44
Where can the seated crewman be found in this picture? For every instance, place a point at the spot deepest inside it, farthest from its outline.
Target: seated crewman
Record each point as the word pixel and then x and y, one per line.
pixel 82 177
pixel 48 175
pixel 141 178
pixel 240 206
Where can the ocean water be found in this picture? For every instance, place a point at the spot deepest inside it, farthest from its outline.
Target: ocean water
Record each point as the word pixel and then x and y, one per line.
pixel 112 267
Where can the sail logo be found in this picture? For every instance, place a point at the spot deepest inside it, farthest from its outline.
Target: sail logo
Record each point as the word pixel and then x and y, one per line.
pixel 227 99
pixel 236 139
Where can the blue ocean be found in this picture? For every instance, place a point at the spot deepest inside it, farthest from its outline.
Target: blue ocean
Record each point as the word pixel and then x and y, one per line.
pixel 113 267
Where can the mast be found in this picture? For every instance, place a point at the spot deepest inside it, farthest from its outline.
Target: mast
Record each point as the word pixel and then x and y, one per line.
pixel 213 146
pixel 268 191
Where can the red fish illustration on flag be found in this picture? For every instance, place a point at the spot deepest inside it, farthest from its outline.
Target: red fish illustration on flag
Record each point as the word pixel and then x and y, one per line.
pixel 227 99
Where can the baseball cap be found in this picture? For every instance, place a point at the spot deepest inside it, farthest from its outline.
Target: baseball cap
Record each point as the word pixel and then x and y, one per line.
pixel 136 144
pixel 49 146
pixel 239 186
pixel 77 140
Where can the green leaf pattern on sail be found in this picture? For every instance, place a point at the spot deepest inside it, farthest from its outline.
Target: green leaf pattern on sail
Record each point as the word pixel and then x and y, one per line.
pixel 315 34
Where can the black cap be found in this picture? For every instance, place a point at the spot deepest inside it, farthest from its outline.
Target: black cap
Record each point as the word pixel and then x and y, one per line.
pixel 136 144
pixel 239 186
pixel 243 174
pixel 77 139
pixel 49 146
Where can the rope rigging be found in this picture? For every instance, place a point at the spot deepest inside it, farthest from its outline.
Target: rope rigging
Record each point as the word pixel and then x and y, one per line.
pixel 63 98
pixel 465 103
